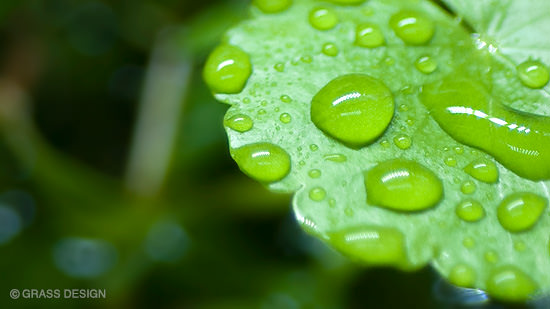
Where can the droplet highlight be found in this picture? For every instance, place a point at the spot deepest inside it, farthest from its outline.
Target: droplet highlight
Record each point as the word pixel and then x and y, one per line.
pixel 402 141
pixel 330 49
pixel 462 275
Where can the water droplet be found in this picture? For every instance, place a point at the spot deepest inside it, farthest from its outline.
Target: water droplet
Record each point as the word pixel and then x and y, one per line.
pixel 412 27
pixel 323 18
pixel 533 74
pixel 335 157
pixel 306 59
pixel 332 202
pixel 468 187
pixel 385 144
pixel 263 161
pixel 348 212
pixel 402 185
pixel 372 245
pixel 246 100
pixel 491 256
pixel 302 162
pixel 402 141
pixel 510 284
pixel 285 98
pixel 262 112
pixel 285 118
pixel 369 35
pixel 330 49
pixel 403 108
pixel 462 275
pixel 483 170
pixel 272 6
pixel 520 211
pixel 314 173
pixel 354 109
pixel 468 242
pixel 450 161
pixel 458 149
pixel 240 123
pixel 470 210
pixel 410 122
pixel 313 147
pixel 425 64
pixel 519 246
pixel 227 69
pixel 317 194
pixel 279 67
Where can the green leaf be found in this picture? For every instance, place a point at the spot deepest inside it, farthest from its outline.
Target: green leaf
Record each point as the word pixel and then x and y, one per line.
pixel 457 178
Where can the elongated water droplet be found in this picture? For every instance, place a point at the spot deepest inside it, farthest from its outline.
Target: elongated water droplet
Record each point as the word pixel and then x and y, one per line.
pixel 533 74
pixel 462 275
pixel 520 211
pixel 372 245
pixel 425 64
pixel 402 185
pixel 369 35
pixel 317 194
pixel 240 123
pixel 323 18
pixel 510 284
pixel 227 69
pixel 314 173
pixel 335 157
pixel 412 27
pixel 354 109
pixel 402 141
pixel 483 170
pixel 330 49
pixel 272 6
pixel 470 210
pixel 263 161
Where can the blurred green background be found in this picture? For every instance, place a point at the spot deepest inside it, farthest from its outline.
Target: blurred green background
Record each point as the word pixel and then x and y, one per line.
pixel 115 174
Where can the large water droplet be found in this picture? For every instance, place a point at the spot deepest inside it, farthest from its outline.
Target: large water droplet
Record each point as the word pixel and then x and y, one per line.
pixel 483 170
pixel 402 185
pixel 227 69
pixel 354 109
pixel 263 161
pixel 462 275
pixel 533 74
pixel 520 211
pixel 412 27
pixel 369 35
pixel 240 123
pixel 470 210
pixel 323 18
pixel 272 6
pixel 372 245
pixel 510 284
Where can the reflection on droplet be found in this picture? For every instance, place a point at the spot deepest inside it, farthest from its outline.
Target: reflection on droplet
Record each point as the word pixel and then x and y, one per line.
pixel 84 257
pixel 166 241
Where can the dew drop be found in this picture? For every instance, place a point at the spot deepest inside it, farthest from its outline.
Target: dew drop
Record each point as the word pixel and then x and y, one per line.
pixel 240 123
pixel 227 69
pixel 372 245
pixel 468 187
pixel 317 194
pixel 425 64
pixel 335 157
pixel 402 185
pixel 369 35
pixel 402 141
pixel 330 49
pixel 323 18
pixel 272 6
pixel 412 27
pixel 264 162
pixel 533 74
pixel 314 173
pixel 510 284
pixel 262 112
pixel 462 275
pixel 483 170
pixel 520 211
pixel 285 118
pixel 470 210
pixel 354 109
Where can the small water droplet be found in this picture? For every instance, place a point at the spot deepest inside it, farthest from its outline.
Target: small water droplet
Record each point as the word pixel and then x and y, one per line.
pixel 468 187
pixel 385 144
pixel 349 212
pixel 262 112
pixel 330 49
pixel 313 147
pixel 468 242
pixel 520 211
pixel 314 173
pixel 402 141
pixel 335 157
pixel 302 162
pixel 412 27
pixel 450 161
pixel 227 69
pixel 354 109
pixel 402 185
pixel 306 59
pixel 470 210
pixel 462 275
pixel 483 170
pixel 332 202
pixel 246 100
pixel 285 98
pixel 533 74
pixel 369 35
pixel 264 162
pixel 519 246
pixel 279 67
pixel 240 123
pixel 323 18
pixel 425 64
pixel 317 194
pixel 410 122
pixel 459 149
pixel 491 256
pixel 272 6
pixel 508 283
pixel 285 118
pixel 403 108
